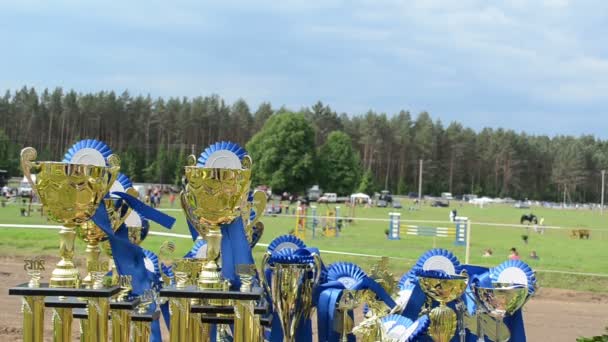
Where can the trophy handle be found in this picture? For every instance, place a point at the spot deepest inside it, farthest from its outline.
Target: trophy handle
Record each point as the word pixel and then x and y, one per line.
pixel 266 286
pixel 114 164
pixel 246 163
pixel 28 155
pixel 259 204
pixel 193 221
pixel 318 267
pixel 191 160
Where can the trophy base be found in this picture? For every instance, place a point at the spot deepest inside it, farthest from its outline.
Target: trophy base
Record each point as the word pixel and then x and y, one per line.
pixel 65 276
pixel 211 280
pixel 443 323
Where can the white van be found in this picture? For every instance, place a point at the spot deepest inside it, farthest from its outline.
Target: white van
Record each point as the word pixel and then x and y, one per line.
pixel 447 196
pixel 328 197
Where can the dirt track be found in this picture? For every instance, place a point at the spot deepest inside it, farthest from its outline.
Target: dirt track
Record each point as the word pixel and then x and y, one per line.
pixel 553 315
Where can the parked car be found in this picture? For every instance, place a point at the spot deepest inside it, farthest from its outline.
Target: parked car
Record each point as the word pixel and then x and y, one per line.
pixel 441 204
pixel 382 204
pixel 446 196
pixel 412 195
pixel 521 205
pixel 328 198
pixel 385 195
pixel 397 204
pixel 314 193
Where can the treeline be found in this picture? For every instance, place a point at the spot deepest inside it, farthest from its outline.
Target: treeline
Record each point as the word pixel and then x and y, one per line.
pixel 153 136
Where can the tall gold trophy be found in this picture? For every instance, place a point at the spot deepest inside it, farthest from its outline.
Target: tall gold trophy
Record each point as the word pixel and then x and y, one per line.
pixel 70 193
pixel 443 290
pixel 291 289
pixel 211 197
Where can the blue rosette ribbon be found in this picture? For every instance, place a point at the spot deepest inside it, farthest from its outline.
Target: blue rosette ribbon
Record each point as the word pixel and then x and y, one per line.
pixel 338 277
pixel 220 146
pixel 403 329
pixel 285 241
pixel 514 272
pixel 198 250
pixel 88 151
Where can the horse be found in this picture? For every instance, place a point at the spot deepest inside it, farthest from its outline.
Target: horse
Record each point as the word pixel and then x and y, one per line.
pixel 530 218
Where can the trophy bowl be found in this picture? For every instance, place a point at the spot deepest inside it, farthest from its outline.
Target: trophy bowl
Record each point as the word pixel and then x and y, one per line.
pixel 70 194
pixel 211 197
pixel 443 288
pixel 502 299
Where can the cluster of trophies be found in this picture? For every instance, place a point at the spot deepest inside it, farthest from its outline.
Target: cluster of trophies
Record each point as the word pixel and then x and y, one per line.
pixel 215 292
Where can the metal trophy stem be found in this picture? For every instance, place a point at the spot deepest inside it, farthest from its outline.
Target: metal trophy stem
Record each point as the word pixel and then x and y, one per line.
pixel 62 324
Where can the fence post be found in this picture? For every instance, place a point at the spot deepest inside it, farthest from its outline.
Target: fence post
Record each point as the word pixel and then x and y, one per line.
pixel 394 226
pixel 338 223
pixel 314 220
pixel 467 249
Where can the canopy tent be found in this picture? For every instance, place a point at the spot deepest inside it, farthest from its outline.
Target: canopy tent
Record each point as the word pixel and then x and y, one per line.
pixel 359 198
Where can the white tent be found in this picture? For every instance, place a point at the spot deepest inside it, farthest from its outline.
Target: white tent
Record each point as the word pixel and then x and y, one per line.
pixel 360 197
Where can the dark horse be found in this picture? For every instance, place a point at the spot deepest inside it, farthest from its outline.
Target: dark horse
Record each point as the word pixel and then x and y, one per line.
pixel 530 218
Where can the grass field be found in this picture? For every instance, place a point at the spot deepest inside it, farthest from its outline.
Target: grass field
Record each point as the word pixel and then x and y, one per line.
pixel 556 250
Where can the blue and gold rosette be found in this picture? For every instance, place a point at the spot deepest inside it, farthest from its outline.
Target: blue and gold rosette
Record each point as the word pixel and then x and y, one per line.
pixel 218 151
pixel 402 329
pixel 336 278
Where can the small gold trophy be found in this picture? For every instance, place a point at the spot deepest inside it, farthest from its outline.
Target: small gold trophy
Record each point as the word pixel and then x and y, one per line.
pixel 33 306
pixel 70 194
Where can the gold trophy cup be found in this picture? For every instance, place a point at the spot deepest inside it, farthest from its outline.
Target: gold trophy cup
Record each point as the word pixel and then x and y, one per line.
pixel 70 193
pixel 443 319
pixel 211 197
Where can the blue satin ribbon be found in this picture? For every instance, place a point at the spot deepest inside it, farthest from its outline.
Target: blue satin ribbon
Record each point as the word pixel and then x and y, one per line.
pixel 192 230
pixel 329 295
pixel 129 260
pixel 235 250
pixel 146 211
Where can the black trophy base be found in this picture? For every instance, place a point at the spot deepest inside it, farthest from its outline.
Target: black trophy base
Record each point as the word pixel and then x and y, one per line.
pixel 45 291
pixel 193 292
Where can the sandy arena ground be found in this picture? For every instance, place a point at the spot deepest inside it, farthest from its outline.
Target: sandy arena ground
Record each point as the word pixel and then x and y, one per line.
pixel 553 315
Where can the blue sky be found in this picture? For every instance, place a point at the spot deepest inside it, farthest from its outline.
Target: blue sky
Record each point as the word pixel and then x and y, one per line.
pixel 538 66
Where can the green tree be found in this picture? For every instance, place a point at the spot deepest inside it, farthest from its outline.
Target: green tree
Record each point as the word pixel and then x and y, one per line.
pixel 367 185
pixel 283 153
pixel 339 164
